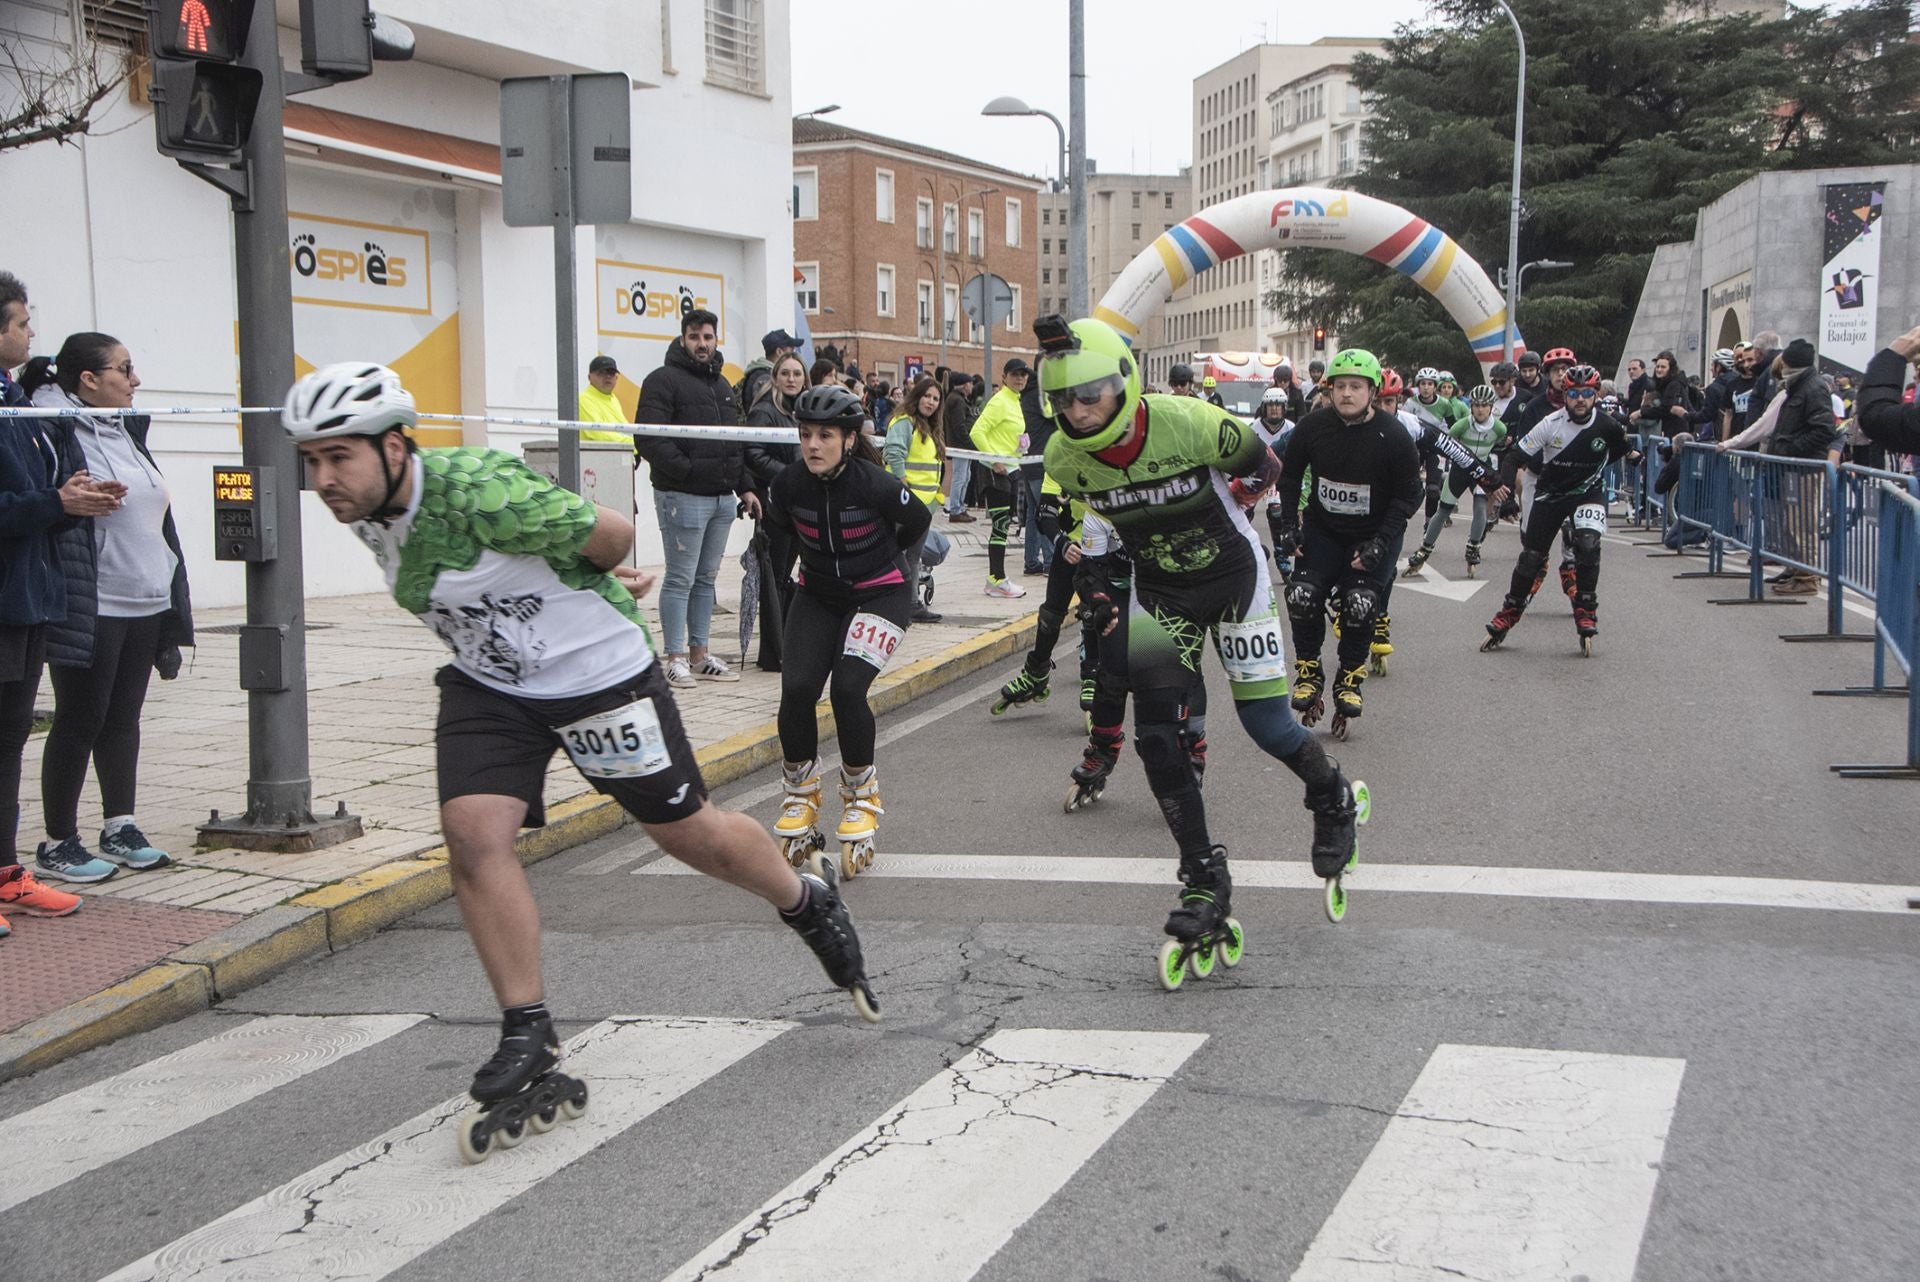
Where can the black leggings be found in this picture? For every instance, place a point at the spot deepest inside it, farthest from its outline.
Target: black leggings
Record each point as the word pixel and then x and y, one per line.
pixel 96 713
pixel 811 656
pixel 999 499
pixel 22 652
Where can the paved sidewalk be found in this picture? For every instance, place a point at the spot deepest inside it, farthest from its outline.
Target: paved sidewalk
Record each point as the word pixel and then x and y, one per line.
pixel 228 917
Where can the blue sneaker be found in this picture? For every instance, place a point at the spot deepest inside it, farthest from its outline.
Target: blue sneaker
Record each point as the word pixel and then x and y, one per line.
pixel 129 846
pixel 70 860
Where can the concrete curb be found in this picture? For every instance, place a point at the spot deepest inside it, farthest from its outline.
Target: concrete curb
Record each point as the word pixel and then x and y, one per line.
pixel 337 916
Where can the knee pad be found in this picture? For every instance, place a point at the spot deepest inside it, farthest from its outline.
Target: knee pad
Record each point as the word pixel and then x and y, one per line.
pixel 1052 620
pixel 1586 547
pixel 1531 562
pixel 1160 745
pixel 1305 600
pixel 1360 606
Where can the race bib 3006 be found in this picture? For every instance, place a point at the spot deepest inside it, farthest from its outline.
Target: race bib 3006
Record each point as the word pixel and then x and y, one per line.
pixel 1344 498
pixel 872 639
pixel 625 743
pixel 1590 516
pixel 1252 651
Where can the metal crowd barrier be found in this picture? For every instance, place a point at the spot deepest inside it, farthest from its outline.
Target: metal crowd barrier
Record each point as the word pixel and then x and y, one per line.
pixel 1896 618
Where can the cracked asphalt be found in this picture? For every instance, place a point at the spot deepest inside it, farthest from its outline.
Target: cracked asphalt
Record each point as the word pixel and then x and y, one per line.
pixel 1790 1154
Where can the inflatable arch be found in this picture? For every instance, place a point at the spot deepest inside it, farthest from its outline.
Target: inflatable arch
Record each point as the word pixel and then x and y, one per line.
pixel 1313 218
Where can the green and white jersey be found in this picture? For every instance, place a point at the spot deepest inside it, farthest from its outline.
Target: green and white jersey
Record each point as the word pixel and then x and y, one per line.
pixel 1163 486
pixel 1479 439
pixel 488 555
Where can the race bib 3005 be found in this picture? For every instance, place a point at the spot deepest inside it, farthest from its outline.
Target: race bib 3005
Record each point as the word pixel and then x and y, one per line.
pixel 1344 498
pixel 625 743
pixel 1252 651
pixel 1590 516
pixel 871 639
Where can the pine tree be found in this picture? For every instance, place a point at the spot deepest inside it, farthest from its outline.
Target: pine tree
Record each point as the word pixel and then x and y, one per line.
pixel 1634 121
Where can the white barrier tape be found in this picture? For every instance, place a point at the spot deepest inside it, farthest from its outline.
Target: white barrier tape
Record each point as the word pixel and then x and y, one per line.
pixel 745 435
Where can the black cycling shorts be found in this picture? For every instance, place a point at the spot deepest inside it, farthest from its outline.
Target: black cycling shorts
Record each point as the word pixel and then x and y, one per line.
pixel 491 743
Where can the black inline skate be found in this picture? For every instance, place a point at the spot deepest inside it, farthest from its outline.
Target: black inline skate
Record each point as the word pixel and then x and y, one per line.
pixel 520 1090
pixel 1309 686
pixel 1202 926
pixel 1347 704
pixel 1091 775
pixel 822 920
pixel 1336 845
pixel 1026 687
pixel 1473 560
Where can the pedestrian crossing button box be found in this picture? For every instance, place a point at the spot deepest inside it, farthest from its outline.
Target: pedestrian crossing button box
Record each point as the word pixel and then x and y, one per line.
pixel 243 508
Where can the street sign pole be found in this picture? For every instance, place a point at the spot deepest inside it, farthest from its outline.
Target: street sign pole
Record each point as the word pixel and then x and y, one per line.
pixel 273 644
pixel 565 287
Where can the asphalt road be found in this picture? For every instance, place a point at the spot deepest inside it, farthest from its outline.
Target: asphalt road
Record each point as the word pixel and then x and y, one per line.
pixel 1539 1073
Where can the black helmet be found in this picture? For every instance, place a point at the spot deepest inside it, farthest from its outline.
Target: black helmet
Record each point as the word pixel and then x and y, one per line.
pixel 1182 373
pixel 830 403
pixel 1506 371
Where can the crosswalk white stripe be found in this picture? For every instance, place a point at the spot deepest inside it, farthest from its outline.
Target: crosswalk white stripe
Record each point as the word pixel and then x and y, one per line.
pixel 1425 879
pixel 941 1180
pixel 640 847
pixel 370 1211
pixel 105 1121
pixel 1506 1165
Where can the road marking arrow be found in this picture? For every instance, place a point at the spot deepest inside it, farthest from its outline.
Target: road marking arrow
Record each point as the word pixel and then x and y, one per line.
pixel 1434 583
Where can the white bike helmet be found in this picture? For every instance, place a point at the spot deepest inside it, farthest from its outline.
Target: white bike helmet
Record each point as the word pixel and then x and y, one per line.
pixel 1274 396
pixel 1427 374
pixel 352 398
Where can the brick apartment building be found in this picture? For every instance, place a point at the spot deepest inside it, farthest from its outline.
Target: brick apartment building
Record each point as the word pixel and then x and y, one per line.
pixel 885 234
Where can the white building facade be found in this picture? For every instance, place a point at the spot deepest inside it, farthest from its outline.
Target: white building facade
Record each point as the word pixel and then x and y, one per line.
pixel 402 169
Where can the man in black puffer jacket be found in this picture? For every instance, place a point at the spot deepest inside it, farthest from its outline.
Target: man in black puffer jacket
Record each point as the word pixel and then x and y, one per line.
pixel 696 487
pixel 1882 417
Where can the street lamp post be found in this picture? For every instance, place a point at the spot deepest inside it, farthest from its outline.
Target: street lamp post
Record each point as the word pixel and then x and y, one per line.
pixel 827 110
pixel 1513 214
pixel 1538 262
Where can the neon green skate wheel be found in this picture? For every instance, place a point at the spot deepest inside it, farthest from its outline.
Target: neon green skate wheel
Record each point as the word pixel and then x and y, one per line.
pixel 1362 801
pixel 1201 962
pixel 1336 900
pixel 1173 969
pixel 1234 945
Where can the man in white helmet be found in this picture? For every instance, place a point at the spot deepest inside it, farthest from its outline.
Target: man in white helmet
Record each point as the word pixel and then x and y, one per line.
pixel 517 576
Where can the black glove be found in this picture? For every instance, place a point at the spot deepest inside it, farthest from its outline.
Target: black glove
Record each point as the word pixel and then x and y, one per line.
pixel 1099 610
pixel 166 662
pixel 1371 553
pixel 1510 508
pixel 1286 546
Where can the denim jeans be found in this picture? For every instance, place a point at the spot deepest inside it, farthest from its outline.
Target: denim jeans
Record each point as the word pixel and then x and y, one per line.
pixel 693 528
pixel 957 494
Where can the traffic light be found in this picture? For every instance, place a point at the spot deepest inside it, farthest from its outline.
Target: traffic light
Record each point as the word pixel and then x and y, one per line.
pixel 203 99
pixel 1319 338
pixel 342 39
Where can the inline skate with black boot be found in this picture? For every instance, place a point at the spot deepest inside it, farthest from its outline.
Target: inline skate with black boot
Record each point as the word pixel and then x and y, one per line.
pixel 1091 775
pixel 1586 621
pixel 1336 845
pixel 1381 646
pixel 1347 704
pixel 1569 579
pixel 823 921
pixel 1026 687
pixel 520 1090
pixel 1503 622
pixel 1202 928
pixel 1418 559
pixel 1309 685
pixel 1473 560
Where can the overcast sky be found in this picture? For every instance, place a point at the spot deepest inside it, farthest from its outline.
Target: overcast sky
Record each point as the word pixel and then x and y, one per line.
pixel 921 72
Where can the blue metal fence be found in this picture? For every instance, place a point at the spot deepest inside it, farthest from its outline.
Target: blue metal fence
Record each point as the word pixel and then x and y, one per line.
pixel 1896 622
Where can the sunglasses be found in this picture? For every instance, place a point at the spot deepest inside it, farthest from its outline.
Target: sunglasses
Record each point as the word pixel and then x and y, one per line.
pixel 1581 394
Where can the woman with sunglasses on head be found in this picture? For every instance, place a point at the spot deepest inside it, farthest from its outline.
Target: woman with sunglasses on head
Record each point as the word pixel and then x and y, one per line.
pixel 1569 449
pixel 127 613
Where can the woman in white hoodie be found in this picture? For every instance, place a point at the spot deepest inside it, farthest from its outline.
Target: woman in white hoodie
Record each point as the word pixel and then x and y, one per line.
pixel 127 613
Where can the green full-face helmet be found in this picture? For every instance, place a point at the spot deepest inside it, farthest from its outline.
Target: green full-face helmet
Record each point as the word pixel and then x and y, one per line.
pixel 1083 361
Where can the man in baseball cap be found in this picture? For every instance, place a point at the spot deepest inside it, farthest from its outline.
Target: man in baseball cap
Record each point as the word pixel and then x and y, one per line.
pixel 597 402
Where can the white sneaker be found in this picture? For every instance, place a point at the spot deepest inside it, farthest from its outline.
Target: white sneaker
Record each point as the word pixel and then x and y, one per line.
pixel 713 669
pixel 1005 588
pixel 679 675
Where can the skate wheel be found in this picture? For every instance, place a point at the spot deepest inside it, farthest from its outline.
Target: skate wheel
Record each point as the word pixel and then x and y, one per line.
pixel 1233 945
pixel 1491 643
pixel 574 1106
pixel 1202 960
pixel 1173 965
pixel 1042 696
pixel 1586 647
pixel 1377 665
pixel 818 864
pixel 1362 801
pixel 1074 798
pixel 1339 728
pixel 1336 900
pixel 865 1002
pixel 541 1123
pixel 509 1136
pixel 999 707
pixel 471 1135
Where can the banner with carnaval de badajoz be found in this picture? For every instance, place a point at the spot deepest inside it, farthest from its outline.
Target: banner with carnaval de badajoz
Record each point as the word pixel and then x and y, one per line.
pixel 1850 279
